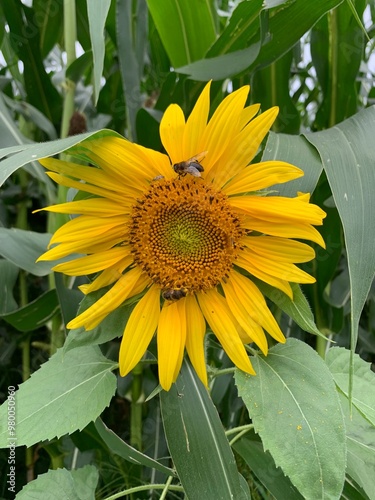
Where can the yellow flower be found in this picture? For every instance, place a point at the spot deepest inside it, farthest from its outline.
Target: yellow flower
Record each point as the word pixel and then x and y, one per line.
pixel 189 234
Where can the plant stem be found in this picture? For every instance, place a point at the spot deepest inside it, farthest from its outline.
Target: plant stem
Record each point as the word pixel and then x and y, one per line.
pixel 70 37
pixel 143 488
pixel 136 408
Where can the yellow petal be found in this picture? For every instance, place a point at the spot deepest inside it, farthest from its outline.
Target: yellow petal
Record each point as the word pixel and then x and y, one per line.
pixel 218 316
pixel 279 209
pixel 253 300
pixel 108 276
pixel 108 303
pixel 195 126
pixel 89 188
pixel 286 230
pixel 96 207
pixel 91 175
pixel 222 128
pixel 282 249
pixel 195 332
pixel 139 330
pixel 171 341
pixel 93 263
pixel 279 283
pixel 245 315
pixel 262 175
pixel 248 114
pixel 242 148
pixel 172 127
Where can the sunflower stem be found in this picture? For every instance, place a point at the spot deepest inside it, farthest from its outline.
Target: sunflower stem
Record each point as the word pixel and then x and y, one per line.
pixel 70 37
pixel 145 487
pixel 136 408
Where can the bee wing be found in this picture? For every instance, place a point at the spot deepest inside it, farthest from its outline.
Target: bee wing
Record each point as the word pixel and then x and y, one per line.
pixel 193 171
pixel 197 158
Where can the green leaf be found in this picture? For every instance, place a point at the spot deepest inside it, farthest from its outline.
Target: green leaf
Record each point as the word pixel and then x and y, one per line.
pixel 30 113
pixel 68 391
pixel 48 15
pixel 97 15
pixel 263 466
pixel 23 248
pixel 337 44
pixel 35 314
pixel 76 70
pixel 130 66
pixel 298 308
pixel 40 91
pixel 295 409
pixel 79 484
pixel 337 360
pixel 296 150
pixel 361 448
pixel 347 155
pixel 197 442
pixel 119 447
pixel 276 79
pixel 287 24
pixel 31 152
pixel 221 67
pixel 283 28
pixel 9 275
pixel 189 30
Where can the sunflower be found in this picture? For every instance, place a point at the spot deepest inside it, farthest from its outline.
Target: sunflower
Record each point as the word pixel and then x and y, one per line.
pixel 189 229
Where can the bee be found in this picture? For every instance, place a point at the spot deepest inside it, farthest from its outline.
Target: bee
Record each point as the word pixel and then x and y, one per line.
pixel 190 166
pixel 173 294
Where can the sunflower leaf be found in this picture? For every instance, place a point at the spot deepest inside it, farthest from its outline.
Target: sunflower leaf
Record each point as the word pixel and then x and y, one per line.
pixel 295 409
pixel 363 381
pixel 197 442
pixel 68 391
pixel 298 308
pixel 349 165
pixel 79 484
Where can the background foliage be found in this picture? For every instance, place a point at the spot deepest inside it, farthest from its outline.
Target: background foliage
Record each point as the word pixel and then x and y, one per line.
pixel 304 426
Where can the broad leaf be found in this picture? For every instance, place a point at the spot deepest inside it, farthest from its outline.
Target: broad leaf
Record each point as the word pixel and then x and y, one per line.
pixel 349 164
pixel 190 29
pixel 298 308
pixel 31 152
pixel 196 440
pixel 79 484
pixel 296 150
pixel 361 448
pixel 9 275
pixel 124 450
pixel 68 391
pixel 295 409
pixel 35 314
pixel 338 361
pixel 263 466
pixel 22 248
pixel 97 14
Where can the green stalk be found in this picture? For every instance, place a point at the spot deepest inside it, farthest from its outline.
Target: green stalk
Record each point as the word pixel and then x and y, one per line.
pixel 70 37
pixel 57 220
pixel 136 408
pixel 22 223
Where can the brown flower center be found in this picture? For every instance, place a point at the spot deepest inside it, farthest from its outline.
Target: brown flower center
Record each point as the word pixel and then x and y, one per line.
pixel 184 234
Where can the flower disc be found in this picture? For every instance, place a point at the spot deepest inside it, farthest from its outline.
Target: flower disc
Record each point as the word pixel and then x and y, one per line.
pixel 184 234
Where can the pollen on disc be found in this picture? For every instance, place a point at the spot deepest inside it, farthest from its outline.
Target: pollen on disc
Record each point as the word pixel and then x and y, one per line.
pixel 184 234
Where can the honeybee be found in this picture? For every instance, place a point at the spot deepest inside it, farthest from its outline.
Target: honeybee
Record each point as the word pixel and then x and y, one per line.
pixel 173 294
pixel 190 166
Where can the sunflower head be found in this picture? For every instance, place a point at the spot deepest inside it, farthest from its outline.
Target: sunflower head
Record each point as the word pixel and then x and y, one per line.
pixel 189 231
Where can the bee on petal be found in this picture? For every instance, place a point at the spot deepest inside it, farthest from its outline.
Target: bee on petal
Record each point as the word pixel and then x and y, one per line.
pixel 191 166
